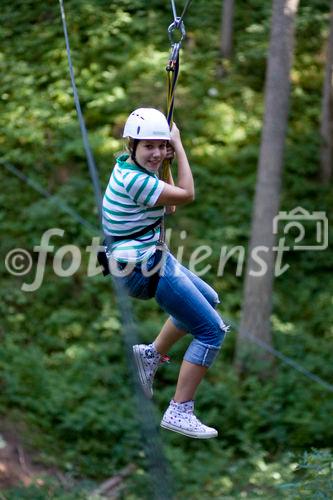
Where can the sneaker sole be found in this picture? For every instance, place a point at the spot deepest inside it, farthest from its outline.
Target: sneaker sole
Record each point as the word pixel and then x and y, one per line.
pixel 141 372
pixel 170 427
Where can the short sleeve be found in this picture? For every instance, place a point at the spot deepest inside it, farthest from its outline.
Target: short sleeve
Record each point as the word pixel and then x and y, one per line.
pixel 143 188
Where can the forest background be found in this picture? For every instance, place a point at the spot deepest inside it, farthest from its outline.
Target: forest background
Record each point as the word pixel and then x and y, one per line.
pixel 63 372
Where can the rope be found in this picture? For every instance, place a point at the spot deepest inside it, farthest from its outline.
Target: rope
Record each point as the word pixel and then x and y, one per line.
pixel 158 466
pixel 263 345
pixel 173 72
pixel 172 78
pixel 89 155
pixel 188 3
pixel 37 187
pixel 178 20
pixel 285 359
pixel 174 12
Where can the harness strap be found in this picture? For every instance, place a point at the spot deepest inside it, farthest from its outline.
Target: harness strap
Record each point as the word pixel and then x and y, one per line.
pixel 104 262
pixel 142 232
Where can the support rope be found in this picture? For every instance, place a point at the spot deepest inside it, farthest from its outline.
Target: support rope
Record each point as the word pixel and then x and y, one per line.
pixel 172 78
pixel 177 19
pixel 174 12
pixel 188 3
pixel 285 359
pixel 37 187
pixel 87 148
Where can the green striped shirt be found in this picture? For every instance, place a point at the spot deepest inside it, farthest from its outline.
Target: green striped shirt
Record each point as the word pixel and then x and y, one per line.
pixel 128 207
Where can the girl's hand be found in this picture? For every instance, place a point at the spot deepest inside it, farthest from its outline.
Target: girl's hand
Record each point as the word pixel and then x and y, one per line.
pixel 170 152
pixel 175 139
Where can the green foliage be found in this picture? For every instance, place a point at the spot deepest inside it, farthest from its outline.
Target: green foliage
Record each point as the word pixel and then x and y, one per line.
pixel 48 489
pixel 315 476
pixel 62 363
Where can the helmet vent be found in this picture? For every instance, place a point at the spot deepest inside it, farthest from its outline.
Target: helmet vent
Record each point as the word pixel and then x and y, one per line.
pixel 138 130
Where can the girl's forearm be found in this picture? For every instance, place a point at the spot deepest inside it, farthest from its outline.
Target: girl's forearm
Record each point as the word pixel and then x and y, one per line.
pixel 185 178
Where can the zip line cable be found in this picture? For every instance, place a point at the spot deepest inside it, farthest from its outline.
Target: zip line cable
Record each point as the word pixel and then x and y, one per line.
pixel 263 345
pixel 36 186
pixel 178 20
pixel 285 359
pixel 174 12
pixel 188 3
pixel 158 466
pixel 87 148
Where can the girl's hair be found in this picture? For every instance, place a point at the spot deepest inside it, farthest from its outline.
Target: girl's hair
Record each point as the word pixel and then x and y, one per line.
pixel 130 144
pixel 128 147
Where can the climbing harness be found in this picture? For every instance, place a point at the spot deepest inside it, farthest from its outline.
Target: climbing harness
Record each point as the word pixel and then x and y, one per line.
pixel 102 256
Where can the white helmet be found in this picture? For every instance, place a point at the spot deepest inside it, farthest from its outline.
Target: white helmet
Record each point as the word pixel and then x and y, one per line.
pixel 147 123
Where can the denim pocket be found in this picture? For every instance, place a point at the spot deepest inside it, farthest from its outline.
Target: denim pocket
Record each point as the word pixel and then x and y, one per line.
pixel 136 284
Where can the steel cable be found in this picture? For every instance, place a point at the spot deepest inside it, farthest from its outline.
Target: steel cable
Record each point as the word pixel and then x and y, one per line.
pixel 178 20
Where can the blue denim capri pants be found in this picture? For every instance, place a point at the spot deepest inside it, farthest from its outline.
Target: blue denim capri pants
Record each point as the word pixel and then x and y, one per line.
pixel 189 301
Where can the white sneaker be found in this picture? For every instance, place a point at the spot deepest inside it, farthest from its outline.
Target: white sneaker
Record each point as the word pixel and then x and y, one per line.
pixel 147 360
pixel 179 417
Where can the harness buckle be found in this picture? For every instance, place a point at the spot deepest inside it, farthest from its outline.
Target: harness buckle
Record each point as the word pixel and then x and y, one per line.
pixel 161 245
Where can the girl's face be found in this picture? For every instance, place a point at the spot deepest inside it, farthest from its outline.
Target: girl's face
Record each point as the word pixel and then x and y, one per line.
pixel 150 153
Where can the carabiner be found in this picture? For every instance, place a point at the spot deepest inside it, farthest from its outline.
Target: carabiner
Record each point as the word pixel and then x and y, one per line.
pixel 173 57
pixel 175 46
pixel 177 25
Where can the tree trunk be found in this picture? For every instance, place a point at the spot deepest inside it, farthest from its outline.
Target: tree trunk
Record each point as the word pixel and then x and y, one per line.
pixel 258 289
pixel 326 128
pixel 227 29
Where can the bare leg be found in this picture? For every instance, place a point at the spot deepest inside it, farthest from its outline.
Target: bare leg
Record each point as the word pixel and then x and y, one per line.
pixel 179 416
pixel 189 378
pixel 167 337
pixel 190 375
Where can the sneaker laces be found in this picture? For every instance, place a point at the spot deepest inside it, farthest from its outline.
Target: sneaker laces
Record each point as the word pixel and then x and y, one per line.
pixel 195 422
pixel 162 358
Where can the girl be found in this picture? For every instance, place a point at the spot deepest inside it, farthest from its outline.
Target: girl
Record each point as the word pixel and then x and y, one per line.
pixel 133 204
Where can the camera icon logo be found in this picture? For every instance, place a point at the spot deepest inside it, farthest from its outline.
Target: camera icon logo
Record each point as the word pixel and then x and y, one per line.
pixel 304 222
